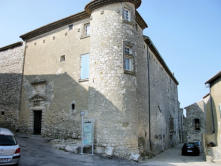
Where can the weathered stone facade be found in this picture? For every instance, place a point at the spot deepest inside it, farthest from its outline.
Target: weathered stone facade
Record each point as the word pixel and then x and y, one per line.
pixel 135 112
pixel 112 94
pixel 195 121
pixel 56 83
pixel 213 119
pixel 181 125
pixel 11 68
pixel 208 111
pixel 163 107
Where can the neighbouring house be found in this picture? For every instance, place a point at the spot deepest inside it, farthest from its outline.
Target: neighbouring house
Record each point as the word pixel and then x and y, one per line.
pixel 203 121
pixel 99 62
pixel 195 121
pixel 213 119
pixel 11 69
pixel 181 125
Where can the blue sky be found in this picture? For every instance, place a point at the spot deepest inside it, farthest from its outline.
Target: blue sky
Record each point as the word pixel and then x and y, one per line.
pixel 187 33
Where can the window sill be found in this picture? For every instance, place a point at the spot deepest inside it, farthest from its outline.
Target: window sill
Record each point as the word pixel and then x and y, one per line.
pixel 128 22
pixel 84 80
pixel 84 37
pixel 129 72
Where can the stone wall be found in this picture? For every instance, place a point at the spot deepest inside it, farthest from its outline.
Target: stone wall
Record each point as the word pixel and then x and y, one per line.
pixel 11 68
pixel 195 111
pixel 118 101
pixel 55 84
pixel 181 125
pixel 163 107
pixel 112 93
pixel 215 112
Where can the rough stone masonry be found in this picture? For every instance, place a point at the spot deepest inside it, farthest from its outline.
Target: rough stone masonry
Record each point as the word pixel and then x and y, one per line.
pixel 129 92
pixel 11 69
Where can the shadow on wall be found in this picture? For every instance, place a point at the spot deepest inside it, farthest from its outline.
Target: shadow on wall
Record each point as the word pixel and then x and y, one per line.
pixel 212 127
pixel 61 99
pixel 10 90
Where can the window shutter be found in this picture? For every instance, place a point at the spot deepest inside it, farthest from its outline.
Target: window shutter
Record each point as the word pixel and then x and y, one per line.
pixel 85 66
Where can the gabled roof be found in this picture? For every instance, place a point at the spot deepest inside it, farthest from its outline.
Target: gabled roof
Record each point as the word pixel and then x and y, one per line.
pixel 214 78
pixel 17 44
pixel 159 58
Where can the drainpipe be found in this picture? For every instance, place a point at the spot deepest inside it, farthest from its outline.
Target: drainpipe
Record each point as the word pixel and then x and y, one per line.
pixel 148 77
pixel 21 86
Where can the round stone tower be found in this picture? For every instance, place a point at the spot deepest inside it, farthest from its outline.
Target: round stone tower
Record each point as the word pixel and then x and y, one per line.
pixel 112 84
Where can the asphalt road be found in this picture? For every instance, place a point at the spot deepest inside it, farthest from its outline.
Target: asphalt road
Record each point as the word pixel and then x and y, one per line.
pixel 36 151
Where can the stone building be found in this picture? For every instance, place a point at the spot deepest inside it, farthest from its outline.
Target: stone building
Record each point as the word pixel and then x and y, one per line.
pixel 11 69
pixel 213 119
pixel 181 125
pixel 195 121
pixel 99 62
pixel 203 121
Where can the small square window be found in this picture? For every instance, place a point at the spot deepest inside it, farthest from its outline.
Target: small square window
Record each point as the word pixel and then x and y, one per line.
pixel 62 58
pixel 70 27
pixel 128 50
pixel 2 113
pixel 126 15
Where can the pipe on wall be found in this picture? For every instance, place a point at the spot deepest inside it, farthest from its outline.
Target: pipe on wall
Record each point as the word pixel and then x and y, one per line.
pixel 149 112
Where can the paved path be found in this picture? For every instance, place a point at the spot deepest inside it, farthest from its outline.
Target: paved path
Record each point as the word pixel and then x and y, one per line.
pixel 36 151
pixel 173 157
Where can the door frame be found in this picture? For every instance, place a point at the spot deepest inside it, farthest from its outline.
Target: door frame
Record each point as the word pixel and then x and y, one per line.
pixel 31 120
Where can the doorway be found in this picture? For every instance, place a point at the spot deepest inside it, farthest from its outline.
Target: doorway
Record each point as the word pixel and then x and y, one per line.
pixel 37 122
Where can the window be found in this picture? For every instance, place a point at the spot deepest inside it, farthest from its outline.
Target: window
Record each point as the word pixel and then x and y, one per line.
pixel 197 124
pixel 70 27
pixel 84 66
pixel 171 125
pixel 87 29
pixel 126 15
pixel 128 50
pixel 128 59
pixel 128 63
pixel 7 140
pixel 73 106
pixel 62 58
pixel 136 27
